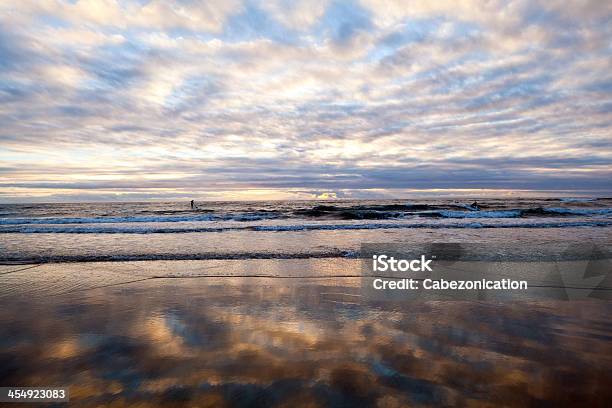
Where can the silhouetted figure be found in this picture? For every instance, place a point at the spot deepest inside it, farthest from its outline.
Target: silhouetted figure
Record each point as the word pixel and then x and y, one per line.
pixel 475 205
pixel 192 205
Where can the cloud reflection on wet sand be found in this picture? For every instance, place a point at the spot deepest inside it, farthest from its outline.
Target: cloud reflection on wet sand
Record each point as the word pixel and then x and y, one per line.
pixel 270 342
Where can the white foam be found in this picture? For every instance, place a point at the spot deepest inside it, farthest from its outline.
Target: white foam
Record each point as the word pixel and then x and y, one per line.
pixel 481 214
pixel 124 220
pixel 120 229
pixel 580 211
pixel 576 200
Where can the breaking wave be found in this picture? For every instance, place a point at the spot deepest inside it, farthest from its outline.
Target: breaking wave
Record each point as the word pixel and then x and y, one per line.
pixel 150 219
pixel 119 229
pixel 381 212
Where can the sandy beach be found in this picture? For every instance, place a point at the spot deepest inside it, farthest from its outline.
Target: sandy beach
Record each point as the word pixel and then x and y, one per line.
pixel 170 333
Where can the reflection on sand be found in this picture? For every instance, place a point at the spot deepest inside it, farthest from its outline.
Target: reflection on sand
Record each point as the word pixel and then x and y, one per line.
pixel 312 342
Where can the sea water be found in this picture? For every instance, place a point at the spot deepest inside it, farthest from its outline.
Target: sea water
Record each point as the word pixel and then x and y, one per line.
pixel 285 229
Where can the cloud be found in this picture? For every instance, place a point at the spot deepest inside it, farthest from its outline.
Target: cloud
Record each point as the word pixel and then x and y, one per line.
pixel 301 14
pixel 167 99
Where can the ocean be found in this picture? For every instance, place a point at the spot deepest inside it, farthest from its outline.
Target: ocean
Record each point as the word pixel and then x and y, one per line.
pixel 82 232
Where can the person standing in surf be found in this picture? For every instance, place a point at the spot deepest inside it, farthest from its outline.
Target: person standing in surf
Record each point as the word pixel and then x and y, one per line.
pixel 192 204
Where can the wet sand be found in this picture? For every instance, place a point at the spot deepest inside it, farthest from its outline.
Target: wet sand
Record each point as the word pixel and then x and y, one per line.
pixel 174 333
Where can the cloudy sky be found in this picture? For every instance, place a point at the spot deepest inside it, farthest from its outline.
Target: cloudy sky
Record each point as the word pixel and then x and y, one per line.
pixel 134 100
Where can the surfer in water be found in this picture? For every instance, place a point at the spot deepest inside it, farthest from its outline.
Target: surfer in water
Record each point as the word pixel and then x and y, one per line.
pixel 192 204
pixel 474 205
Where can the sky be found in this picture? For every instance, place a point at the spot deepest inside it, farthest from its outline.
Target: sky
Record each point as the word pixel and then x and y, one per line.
pixel 278 99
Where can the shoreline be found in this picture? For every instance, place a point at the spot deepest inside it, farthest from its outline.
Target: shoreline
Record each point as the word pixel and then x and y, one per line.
pixel 62 277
